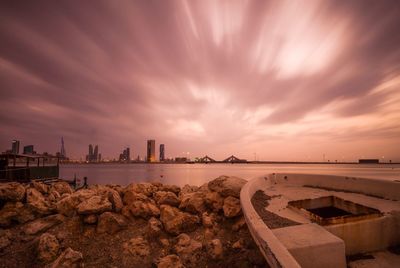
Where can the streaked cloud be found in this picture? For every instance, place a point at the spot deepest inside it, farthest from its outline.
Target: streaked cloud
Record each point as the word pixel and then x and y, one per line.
pixel 289 80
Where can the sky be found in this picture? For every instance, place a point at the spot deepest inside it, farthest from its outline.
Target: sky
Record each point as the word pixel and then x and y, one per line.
pixel 265 80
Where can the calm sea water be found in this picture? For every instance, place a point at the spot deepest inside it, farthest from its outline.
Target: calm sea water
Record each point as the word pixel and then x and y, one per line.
pixel 197 174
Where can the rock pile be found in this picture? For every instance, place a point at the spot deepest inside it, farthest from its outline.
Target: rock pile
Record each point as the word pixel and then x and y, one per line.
pixel 142 224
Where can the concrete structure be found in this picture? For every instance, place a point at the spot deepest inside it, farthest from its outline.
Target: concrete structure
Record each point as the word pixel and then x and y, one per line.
pixel 15 147
pixel 356 215
pixel 162 152
pixel 151 151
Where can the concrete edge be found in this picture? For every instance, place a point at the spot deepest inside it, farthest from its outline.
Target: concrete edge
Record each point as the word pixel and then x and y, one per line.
pixel 274 252
pixel 374 187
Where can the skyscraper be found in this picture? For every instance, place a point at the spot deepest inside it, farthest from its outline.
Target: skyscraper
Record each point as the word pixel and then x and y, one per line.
pixel 151 151
pixel 15 147
pixel 125 156
pixel 90 156
pixel 96 154
pixel 29 149
pixel 162 152
pixel 63 154
pixel 93 155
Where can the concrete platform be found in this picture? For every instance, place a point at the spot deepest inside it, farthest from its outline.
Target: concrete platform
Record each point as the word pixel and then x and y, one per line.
pixel 300 245
pixel 312 246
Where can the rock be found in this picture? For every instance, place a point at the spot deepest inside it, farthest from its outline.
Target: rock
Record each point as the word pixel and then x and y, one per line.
pixel 90 219
pixel 110 222
pixel 68 203
pixel 227 186
pixel 132 196
pixel 137 247
pixel 48 247
pixel 62 187
pixel 170 261
pixel 7 214
pixel 239 224
pixel 188 189
pixel 53 196
pixel 68 259
pixel 5 238
pixel 188 249
pixel 15 212
pixel 12 191
pixel 164 242
pixel 170 188
pixel 193 202
pixel 238 244
pixel 43 224
pixel 41 187
pixel 145 188
pixel 143 209
pixel 208 234
pixel 176 221
pixel 231 207
pixel 37 202
pixel 214 249
pixel 154 228
pixel 166 198
pixel 95 204
pixel 186 245
pixel 207 219
pixel 214 201
pixel 115 200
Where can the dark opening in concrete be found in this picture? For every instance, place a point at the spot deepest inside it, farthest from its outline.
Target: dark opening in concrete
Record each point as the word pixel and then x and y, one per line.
pixel 333 210
pixel 329 212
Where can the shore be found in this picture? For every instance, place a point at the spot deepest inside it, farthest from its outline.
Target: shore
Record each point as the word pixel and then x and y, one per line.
pixel 140 225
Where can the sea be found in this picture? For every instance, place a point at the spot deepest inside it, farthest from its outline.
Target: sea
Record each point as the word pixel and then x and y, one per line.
pixel 198 174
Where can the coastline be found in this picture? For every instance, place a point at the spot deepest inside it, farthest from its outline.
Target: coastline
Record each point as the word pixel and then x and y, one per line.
pixel 143 224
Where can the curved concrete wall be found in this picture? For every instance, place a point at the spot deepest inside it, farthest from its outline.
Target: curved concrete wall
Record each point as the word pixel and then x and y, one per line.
pixel 374 187
pixel 275 253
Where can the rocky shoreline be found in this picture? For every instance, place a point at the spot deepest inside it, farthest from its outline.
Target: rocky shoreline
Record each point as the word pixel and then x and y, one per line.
pixel 140 225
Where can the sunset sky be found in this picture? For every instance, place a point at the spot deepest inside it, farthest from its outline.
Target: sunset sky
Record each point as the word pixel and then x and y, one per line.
pixel 275 80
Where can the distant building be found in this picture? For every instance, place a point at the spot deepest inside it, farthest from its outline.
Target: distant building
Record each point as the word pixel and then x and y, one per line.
pixel 96 153
pixel 162 152
pixel 63 154
pixel 181 159
pixel 125 156
pixel 93 155
pixel 15 147
pixel 29 149
pixel 368 161
pixel 90 155
pixel 151 151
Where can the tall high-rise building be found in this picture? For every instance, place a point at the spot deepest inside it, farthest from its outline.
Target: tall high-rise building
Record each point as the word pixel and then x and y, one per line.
pixel 125 156
pixel 29 149
pixel 96 153
pixel 90 158
pixel 128 154
pixel 93 155
pixel 15 147
pixel 63 154
pixel 162 152
pixel 151 151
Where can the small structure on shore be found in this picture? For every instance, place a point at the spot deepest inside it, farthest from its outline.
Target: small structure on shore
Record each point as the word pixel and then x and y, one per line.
pixel 25 167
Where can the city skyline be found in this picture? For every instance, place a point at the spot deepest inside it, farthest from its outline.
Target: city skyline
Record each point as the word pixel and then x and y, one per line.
pixel 268 80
